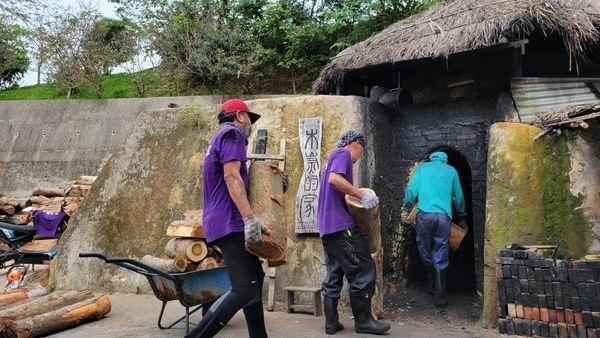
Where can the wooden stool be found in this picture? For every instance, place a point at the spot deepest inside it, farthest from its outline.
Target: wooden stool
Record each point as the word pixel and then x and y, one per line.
pixel 315 308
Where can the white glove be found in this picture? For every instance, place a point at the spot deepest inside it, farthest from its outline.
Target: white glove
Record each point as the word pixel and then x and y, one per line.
pixel 368 200
pixel 253 230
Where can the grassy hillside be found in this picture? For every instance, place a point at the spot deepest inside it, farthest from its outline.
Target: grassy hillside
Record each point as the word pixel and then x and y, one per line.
pixel 122 86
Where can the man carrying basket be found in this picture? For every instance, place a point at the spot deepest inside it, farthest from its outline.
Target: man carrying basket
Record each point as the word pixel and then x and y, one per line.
pixel 436 186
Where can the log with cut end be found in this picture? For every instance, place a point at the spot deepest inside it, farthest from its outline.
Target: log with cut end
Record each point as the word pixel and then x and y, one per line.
pixel 186 228
pixel 180 263
pixel 59 319
pixel 48 192
pixel 192 249
pixel 158 263
pixel 207 263
pixel 7 209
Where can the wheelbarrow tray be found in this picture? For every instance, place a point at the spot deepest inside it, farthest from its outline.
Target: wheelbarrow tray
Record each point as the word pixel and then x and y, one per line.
pixel 194 290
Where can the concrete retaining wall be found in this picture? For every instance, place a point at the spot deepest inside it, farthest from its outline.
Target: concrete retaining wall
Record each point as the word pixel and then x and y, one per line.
pixel 156 176
pixel 46 142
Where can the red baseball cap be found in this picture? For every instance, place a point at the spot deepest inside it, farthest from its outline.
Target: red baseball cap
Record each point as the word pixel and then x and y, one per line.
pixel 236 105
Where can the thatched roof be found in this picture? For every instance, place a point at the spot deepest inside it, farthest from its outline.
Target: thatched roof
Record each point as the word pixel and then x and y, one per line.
pixel 461 25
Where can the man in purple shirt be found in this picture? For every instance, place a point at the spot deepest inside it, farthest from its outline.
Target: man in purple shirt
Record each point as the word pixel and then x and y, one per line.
pixel 346 250
pixel 228 222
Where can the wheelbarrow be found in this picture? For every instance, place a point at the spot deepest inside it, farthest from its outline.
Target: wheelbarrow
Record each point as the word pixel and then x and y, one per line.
pixel 194 290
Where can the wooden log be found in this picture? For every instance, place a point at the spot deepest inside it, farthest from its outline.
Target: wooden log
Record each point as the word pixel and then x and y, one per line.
pixel 40 200
pixel 40 245
pixel 158 263
pixel 367 221
pixel 79 190
pixel 266 199
pixel 60 319
pixel 22 294
pixel 86 180
pixel 48 192
pixel 43 304
pixel 180 263
pixel 192 249
pixel 7 209
pixel 186 228
pixel 207 263
pixel 20 218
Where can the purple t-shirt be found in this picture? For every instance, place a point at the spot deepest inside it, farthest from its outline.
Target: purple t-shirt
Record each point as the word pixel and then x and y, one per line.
pixel 220 215
pixel 333 215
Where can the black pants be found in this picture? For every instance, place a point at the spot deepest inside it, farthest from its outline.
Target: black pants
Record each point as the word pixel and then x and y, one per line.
pixel 246 275
pixel 347 254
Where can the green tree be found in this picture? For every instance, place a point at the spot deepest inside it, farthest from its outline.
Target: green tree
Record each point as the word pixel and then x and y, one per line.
pixel 13 54
pixel 117 38
pixel 198 43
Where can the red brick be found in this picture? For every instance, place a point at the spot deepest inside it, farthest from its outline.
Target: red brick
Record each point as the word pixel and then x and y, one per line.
pixel 544 315
pixel 527 312
pixel 560 316
pixel 520 311
pixel 569 318
pixel 535 313
pixel 552 315
pixel 578 317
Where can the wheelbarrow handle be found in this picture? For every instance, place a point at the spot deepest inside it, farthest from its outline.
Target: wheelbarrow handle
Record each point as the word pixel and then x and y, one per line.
pixel 128 263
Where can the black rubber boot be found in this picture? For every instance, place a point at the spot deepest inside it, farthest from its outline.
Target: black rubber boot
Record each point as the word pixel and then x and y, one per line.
pixel 440 288
pixel 430 270
pixel 363 321
pixel 332 320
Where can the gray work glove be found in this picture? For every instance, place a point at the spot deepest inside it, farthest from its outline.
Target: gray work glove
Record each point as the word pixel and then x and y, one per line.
pixel 253 230
pixel 368 200
pixel 404 217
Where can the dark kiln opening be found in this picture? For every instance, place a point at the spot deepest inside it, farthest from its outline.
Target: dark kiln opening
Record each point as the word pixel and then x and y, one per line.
pixel 461 270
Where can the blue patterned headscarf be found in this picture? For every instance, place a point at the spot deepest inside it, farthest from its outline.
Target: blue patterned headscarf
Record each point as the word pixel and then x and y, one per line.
pixel 350 136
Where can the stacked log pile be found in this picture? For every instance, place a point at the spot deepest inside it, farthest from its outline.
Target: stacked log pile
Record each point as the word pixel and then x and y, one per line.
pixel 47 314
pixel 14 210
pixel 187 250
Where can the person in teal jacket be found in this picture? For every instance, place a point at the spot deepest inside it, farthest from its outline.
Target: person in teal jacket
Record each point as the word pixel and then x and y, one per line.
pixel 435 185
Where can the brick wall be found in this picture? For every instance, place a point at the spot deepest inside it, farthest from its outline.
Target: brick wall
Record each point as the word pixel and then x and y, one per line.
pixel 415 131
pixel 547 297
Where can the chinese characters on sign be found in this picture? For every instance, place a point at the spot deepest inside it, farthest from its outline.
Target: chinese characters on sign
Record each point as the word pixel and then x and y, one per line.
pixel 308 192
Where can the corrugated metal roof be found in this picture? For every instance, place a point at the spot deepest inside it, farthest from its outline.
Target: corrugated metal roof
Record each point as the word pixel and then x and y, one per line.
pixel 536 95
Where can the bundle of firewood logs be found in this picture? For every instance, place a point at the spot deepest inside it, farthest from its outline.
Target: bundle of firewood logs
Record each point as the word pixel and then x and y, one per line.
pixel 34 313
pixel 187 250
pixel 13 209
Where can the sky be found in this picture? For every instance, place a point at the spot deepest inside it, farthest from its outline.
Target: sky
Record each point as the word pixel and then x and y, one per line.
pixel 105 8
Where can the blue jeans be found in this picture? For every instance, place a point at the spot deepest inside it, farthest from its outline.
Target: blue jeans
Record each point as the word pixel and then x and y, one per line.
pixel 433 233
